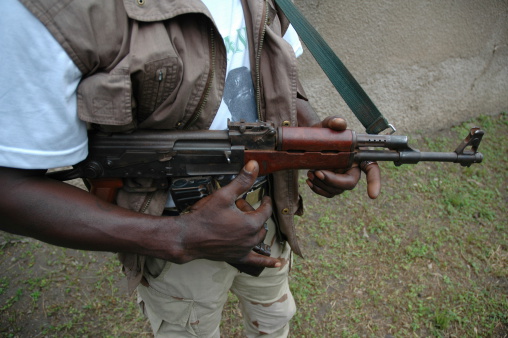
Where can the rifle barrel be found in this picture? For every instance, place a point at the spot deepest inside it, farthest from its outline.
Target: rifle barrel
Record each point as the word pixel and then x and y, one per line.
pixel 414 156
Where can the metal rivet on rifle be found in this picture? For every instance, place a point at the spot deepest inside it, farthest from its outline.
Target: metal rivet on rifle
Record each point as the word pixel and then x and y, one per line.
pixel 141 2
pixel 285 211
pixel 286 123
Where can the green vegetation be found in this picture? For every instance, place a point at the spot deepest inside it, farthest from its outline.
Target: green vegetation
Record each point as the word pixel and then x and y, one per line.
pixel 429 257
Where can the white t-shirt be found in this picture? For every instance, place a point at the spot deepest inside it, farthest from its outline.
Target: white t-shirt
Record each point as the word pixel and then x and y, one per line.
pixel 39 125
pixel 38 82
pixel 239 99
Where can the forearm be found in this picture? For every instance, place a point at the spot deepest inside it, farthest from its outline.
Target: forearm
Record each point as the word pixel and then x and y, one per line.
pixel 54 212
pixel 60 214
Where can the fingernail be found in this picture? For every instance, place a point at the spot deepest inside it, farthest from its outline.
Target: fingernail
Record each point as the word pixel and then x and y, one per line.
pixel 320 175
pixel 250 166
pixel 340 122
pixel 278 264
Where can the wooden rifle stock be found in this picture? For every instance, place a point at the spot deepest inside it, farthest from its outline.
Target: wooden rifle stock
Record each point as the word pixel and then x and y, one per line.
pixel 306 148
pixel 105 188
pixel 191 164
pixel 165 156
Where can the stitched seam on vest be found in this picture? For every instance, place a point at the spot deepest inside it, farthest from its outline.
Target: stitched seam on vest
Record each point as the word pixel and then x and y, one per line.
pixel 153 93
pixel 47 19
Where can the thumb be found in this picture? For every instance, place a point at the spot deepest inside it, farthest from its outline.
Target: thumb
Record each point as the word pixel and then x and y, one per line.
pixel 334 123
pixel 244 181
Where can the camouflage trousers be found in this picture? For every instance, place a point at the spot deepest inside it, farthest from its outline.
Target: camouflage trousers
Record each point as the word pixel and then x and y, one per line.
pixel 187 300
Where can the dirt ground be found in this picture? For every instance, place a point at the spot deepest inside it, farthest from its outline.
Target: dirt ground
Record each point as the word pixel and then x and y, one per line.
pixel 429 258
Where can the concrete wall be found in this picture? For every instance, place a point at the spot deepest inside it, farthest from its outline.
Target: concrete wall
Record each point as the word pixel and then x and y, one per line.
pixel 426 64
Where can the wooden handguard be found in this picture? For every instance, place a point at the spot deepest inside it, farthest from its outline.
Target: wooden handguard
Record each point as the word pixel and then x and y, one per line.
pixel 306 148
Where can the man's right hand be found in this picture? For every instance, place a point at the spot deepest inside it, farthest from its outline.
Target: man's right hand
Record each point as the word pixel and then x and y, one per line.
pixel 58 213
pixel 219 228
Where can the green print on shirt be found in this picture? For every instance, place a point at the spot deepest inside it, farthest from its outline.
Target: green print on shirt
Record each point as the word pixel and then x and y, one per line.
pixel 236 45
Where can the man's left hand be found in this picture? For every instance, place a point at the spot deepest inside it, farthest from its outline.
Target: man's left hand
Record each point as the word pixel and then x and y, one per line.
pixel 331 183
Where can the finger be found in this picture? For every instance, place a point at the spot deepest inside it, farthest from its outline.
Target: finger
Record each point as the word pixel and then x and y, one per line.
pixel 373 173
pixel 330 181
pixel 335 123
pixel 320 188
pixel 261 215
pixel 243 205
pixel 243 182
pixel 317 186
pixel 258 216
pixel 320 191
pixel 260 260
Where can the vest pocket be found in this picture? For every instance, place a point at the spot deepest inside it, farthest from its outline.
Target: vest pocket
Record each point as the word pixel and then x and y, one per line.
pixel 159 80
pixel 105 98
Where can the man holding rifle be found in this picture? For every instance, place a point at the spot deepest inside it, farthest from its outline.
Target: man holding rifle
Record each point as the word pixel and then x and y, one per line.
pixel 119 66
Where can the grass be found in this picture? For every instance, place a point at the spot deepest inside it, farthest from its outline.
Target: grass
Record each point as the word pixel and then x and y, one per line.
pixel 428 258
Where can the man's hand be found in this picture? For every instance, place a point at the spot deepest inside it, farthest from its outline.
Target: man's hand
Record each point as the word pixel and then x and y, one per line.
pixel 36 206
pixel 221 227
pixel 329 184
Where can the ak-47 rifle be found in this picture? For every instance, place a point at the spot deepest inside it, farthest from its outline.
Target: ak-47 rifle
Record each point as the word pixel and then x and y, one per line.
pixel 193 163
pixel 170 158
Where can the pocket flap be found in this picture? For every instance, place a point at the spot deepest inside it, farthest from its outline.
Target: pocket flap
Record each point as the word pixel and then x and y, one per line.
pixel 105 98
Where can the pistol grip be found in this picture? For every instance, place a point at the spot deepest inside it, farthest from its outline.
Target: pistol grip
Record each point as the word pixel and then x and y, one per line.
pixel 105 188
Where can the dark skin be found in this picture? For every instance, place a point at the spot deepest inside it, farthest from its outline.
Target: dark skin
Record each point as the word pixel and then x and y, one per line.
pixel 332 183
pixel 57 213
pixel 219 227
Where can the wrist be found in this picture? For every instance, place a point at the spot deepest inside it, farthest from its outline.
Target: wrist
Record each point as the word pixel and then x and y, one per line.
pixel 164 239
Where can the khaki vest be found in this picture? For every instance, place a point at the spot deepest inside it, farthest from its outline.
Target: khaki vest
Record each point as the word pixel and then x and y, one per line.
pixel 160 64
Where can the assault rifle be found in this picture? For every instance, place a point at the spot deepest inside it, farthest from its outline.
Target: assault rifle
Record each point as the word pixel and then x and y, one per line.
pixel 191 162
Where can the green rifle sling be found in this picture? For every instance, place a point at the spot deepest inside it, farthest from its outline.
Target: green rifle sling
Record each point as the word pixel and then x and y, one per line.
pixel 350 90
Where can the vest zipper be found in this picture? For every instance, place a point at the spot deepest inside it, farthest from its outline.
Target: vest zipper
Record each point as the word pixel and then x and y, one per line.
pixel 211 75
pixel 147 202
pixel 160 78
pixel 258 62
